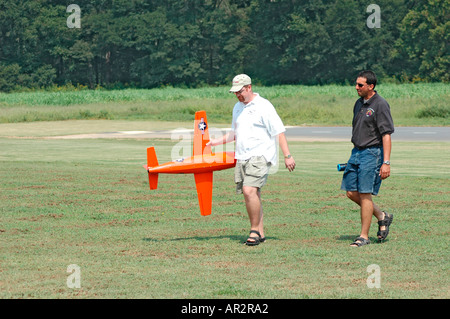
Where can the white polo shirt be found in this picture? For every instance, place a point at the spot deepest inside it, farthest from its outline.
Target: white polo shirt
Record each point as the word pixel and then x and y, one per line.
pixel 256 126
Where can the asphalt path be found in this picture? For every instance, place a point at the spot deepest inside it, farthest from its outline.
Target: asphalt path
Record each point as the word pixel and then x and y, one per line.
pixel 418 134
pixel 297 133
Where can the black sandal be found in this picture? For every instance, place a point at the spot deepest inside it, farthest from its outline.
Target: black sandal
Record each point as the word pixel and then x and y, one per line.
pixel 360 241
pixel 387 220
pixel 254 240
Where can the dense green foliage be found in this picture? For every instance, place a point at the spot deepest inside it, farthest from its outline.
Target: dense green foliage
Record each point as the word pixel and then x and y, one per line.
pixel 150 43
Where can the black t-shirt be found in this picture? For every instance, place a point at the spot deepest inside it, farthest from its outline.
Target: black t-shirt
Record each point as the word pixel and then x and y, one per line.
pixel 371 120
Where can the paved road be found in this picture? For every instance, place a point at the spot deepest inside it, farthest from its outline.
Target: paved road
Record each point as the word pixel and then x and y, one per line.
pixel 424 134
pixel 419 134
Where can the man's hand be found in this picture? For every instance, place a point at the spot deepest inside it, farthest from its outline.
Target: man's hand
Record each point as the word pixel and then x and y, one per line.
pixel 290 163
pixel 385 171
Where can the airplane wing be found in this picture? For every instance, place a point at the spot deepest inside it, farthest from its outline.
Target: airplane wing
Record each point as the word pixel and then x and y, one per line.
pixel 204 184
pixel 201 134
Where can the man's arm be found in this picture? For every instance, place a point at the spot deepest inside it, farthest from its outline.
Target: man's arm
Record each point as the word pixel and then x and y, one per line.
pixel 229 137
pixel 289 162
pixel 385 170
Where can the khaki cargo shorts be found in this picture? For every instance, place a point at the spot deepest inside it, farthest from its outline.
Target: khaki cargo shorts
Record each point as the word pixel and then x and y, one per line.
pixel 252 172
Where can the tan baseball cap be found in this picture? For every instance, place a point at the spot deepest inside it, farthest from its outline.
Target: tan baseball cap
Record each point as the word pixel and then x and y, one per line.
pixel 239 81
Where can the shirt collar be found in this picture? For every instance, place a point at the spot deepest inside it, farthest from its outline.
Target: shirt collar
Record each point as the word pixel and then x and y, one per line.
pixel 368 102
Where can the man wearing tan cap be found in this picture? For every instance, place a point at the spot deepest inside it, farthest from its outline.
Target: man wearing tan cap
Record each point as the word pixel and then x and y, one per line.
pixel 255 128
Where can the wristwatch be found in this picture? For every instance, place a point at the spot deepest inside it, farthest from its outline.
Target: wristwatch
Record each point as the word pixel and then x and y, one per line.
pixel 387 162
pixel 288 156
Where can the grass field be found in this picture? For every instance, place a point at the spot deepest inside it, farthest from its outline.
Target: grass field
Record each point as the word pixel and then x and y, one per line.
pixel 421 104
pixel 87 202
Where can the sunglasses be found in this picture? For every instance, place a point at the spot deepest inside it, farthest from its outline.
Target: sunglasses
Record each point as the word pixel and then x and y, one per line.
pixel 360 85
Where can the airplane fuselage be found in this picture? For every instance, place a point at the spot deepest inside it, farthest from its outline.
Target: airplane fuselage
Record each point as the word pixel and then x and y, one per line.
pixel 196 164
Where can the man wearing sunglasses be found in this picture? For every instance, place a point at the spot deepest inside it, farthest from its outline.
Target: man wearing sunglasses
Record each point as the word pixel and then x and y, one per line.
pixel 255 128
pixel 369 162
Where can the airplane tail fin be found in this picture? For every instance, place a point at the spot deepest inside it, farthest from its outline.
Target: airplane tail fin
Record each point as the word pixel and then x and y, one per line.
pixel 201 134
pixel 152 161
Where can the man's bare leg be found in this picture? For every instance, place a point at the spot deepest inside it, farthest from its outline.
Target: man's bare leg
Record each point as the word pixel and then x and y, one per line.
pixel 368 208
pixel 252 196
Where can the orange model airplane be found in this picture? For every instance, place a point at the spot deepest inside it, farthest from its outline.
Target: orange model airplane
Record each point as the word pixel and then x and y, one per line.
pixel 201 164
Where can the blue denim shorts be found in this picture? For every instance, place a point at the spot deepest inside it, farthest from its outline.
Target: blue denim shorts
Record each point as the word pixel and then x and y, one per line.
pixel 362 173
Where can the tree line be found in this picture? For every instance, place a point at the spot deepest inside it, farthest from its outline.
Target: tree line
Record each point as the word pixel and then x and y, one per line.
pixel 190 43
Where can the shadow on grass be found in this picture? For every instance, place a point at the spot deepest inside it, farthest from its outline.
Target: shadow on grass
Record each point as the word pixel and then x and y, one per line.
pixel 237 238
pixel 351 238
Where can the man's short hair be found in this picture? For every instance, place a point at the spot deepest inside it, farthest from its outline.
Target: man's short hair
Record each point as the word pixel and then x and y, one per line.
pixel 370 77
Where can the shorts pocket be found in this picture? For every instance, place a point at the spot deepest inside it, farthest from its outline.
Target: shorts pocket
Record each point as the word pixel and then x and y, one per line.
pixel 238 173
pixel 257 166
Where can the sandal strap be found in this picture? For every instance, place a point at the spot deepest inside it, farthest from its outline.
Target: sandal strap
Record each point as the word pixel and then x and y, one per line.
pixel 255 232
pixel 387 220
pixel 360 241
pixel 253 241
pixel 384 222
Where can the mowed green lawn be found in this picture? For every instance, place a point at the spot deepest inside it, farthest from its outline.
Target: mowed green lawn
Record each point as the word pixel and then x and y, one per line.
pixel 87 202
